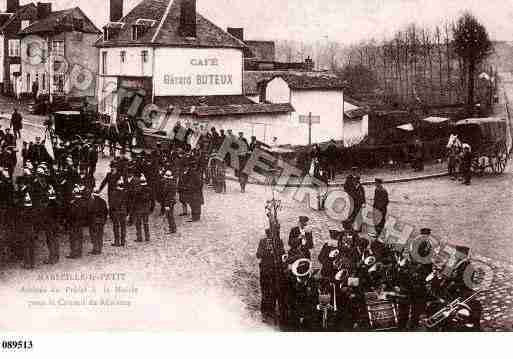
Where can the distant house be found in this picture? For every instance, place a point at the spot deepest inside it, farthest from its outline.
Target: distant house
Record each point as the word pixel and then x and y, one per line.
pixel 58 53
pixel 15 18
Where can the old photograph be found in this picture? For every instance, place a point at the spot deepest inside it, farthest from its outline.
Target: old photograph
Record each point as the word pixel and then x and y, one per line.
pixel 262 166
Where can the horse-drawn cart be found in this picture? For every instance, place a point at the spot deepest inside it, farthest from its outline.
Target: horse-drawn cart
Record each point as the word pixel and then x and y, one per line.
pixel 488 140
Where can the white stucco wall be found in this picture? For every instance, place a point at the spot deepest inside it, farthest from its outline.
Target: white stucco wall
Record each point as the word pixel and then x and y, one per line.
pixel 328 105
pixel 133 64
pixel 354 130
pixel 277 91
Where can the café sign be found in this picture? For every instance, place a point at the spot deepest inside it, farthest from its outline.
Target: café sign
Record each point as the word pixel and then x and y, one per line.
pixel 198 72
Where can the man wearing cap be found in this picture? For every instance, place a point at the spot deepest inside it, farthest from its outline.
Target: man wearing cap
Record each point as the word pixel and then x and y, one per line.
pixel 118 210
pixel 143 206
pixel 25 220
pixel 380 207
pixel 97 211
pixel 78 212
pixel 167 196
pixel 301 296
pixel 300 240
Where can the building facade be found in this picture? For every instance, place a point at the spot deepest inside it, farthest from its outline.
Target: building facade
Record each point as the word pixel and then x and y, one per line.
pixel 164 53
pixel 58 56
pixel 15 19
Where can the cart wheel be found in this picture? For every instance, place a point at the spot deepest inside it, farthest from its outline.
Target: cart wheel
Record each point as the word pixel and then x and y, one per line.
pixel 501 159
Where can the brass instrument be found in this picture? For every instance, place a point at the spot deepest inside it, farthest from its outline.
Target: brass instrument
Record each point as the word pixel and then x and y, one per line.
pixel 447 311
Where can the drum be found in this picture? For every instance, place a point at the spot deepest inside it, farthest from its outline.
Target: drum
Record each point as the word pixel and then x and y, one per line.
pixel 382 313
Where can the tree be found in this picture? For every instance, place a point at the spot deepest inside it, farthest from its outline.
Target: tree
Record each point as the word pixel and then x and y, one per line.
pixel 472 45
pixel 360 80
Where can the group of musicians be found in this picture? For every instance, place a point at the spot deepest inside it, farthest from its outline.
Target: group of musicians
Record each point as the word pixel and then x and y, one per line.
pixel 361 284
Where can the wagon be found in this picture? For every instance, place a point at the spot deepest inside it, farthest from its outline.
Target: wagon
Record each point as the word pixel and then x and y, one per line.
pixel 488 140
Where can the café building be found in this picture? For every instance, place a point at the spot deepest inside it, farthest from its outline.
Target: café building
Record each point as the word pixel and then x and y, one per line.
pixel 164 53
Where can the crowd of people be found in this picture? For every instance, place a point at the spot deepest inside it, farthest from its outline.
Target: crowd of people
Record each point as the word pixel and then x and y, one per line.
pixel 61 196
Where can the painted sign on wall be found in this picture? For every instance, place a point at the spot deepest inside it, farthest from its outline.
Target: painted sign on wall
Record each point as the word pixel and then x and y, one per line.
pixel 198 72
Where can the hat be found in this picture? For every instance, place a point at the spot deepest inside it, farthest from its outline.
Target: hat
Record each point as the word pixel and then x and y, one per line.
pixel 120 184
pixel 302 267
pixel 425 231
pixel 378 181
pixel 27 201
pixel 77 191
pixel 168 174
pixel 51 193
pixel 304 219
pixel 143 180
pixel 334 234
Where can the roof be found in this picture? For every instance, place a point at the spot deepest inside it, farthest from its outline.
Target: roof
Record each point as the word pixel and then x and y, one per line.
pixel 56 18
pixel 4 18
pixel 187 102
pixel 308 82
pixel 12 17
pixel 203 106
pixel 436 120
pixel 166 31
pixel 355 113
pixel 255 108
pixel 479 121
pixel 298 80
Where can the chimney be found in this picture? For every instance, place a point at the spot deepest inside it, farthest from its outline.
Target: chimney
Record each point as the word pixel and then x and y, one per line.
pixel 237 32
pixel 116 10
pixel 188 18
pixel 13 6
pixel 44 9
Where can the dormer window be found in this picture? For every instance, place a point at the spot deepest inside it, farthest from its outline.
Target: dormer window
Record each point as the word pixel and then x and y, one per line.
pixel 111 30
pixel 140 27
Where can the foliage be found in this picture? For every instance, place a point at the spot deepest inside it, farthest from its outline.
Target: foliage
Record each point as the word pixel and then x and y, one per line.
pixel 359 79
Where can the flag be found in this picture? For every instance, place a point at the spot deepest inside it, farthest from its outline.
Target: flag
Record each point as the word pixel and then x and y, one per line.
pixel 48 144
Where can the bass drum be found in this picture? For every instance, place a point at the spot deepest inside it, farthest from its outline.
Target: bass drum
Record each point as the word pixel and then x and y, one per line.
pixel 382 314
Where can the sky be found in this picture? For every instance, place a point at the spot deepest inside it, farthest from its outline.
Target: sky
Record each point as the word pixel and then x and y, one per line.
pixel 344 21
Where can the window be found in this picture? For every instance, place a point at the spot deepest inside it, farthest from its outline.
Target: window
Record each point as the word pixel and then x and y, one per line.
pixel 144 55
pixel 24 24
pixel 43 82
pixel 123 56
pixel 104 62
pixel 134 32
pixel 29 87
pixel 14 48
pixel 58 48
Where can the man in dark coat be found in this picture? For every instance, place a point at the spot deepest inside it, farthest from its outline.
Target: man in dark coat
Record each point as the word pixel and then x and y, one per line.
pixel 302 297
pixel 118 210
pixel 167 197
pixel 143 206
pixel 97 218
pixel 26 215
pixel 270 252
pixel 380 207
pixel 300 240
pixel 330 155
pixel 52 215
pixel 196 193
pixel 78 219
pixel 9 138
pixel 16 123
pixel 8 211
pixel 466 165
